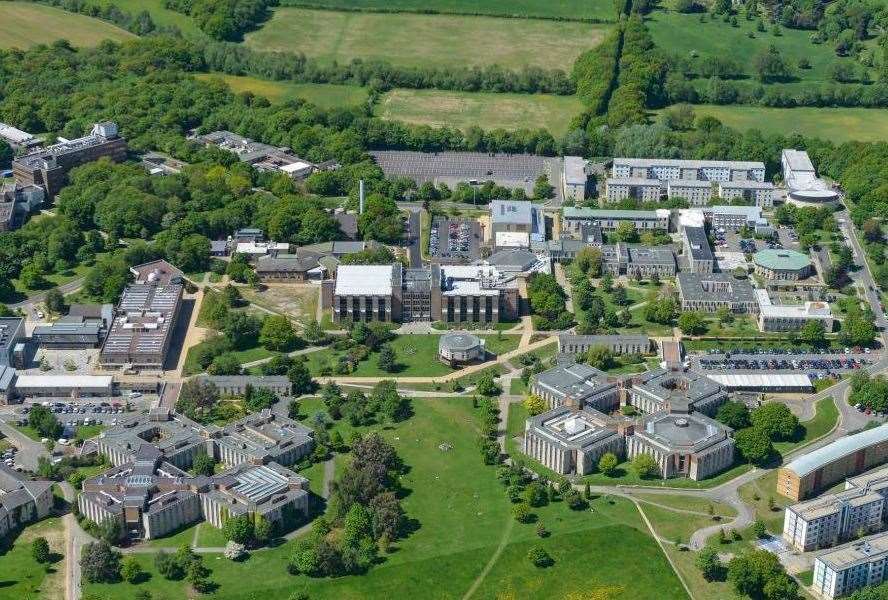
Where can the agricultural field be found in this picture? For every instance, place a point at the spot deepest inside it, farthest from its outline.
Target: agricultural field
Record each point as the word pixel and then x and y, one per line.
pixel 323 95
pixel 160 14
pixel 414 40
pixel 23 25
pixel 490 111
pixel 835 124
pixel 464 524
pixel 546 9
pixel 684 35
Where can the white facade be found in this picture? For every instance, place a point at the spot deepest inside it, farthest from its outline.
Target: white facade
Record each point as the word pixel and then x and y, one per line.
pixel 761 192
pixel 645 190
pixel 697 193
pixel 850 567
pixel 667 169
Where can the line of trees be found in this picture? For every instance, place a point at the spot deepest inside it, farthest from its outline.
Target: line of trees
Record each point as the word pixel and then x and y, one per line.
pixel 224 19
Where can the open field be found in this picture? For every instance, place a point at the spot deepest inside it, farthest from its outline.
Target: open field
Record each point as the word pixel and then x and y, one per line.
pixel 21 577
pixel 323 95
pixel 551 9
pixel 162 16
pixel 762 494
pixel 23 25
pixel 416 356
pixel 835 124
pixel 426 40
pixel 682 34
pixel 463 515
pixel 490 111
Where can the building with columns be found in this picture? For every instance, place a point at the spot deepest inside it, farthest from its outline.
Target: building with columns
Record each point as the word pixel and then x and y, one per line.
pixel 569 440
pixel 659 390
pixel 367 293
pixel 577 385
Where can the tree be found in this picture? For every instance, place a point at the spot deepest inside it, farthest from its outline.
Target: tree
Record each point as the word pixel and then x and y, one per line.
pixel 55 301
pixel 607 464
pixel 625 232
pixel 645 466
pixel 522 513
pixel 100 563
pixel 227 363
pixel 857 330
pixel 131 570
pixel 539 557
pixel 486 386
pixel 262 529
pixel 770 66
pixel 754 445
pixel 709 564
pixel 40 550
pixel 536 495
pixel 775 420
pixel 812 332
pixel 300 378
pixel 759 529
pixel 239 529
pixel 733 414
pixel 46 424
pixel 692 323
pixel 167 565
pixel 196 397
pixel 535 405
pixel 753 571
pixel 242 329
pixel 542 189
pixel 277 333
pixel 588 260
pixel 724 315
pixel 387 360
pixel 600 357
pixel 203 464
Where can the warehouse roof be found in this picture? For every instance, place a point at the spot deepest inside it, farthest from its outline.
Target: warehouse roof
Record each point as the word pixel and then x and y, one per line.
pixel 838 449
pixel 781 259
pixel 364 280
pixel 63 381
pixel 760 380
pixel 798 160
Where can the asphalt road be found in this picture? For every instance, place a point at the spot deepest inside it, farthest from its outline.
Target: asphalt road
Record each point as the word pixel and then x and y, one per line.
pixel 68 288
pixel 863 275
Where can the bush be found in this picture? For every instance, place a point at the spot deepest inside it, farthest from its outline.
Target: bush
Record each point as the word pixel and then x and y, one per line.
pixel 539 558
pixel 522 513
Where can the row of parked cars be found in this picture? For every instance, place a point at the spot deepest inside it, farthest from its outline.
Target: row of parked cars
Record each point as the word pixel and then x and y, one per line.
pixel 781 364
pixel 456 237
pixel 68 408
pixel 8 457
pixel 750 352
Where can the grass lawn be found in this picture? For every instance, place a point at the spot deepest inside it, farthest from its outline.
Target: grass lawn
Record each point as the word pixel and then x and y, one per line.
pixel 417 356
pixel 54 279
pixel 490 111
pixel 544 353
pixel 837 124
pixel 515 427
pixel 625 476
pixel 561 9
pixel 23 24
pixel 465 381
pixel 689 503
pixel 672 525
pixel 759 493
pixel 683 34
pixel 85 432
pixel 415 40
pixel 517 387
pixel 183 535
pixel 209 536
pixel 323 95
pixel 192 367
pixel 21 577
pixel 825 418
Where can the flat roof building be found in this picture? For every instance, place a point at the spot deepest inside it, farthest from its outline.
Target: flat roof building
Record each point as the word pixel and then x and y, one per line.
pixel 576 385
pixel 782 264
pixel 803 186
pixel 637 260
pixel 632 188
pixel 12 330
pixel 49 167
pixel 574 219
pixel 696 192
pixel 574 178
pixel 262 157
pixel 758 382
pixel 570 440
pixel 668 169
pixel 517 216
pixel 710 292
pixel 236 385
pixel 697 250
pixel 679 392
pixel 827 465
pixel 618 344
pixel 367 293
pixel 848 568
pixel 69 334
pixel 759 192
pixel 786 317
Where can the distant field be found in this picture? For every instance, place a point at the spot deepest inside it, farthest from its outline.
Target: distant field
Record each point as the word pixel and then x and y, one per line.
pixel 426 40
pixel 490 111
pixel 682 34
pixel 321 94
pixel 564 9
pixel 161 15
pixel 23 25
pixel 836 124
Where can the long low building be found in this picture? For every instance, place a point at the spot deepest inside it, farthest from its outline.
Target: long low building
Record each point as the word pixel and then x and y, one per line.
pixel 672 169
pixel 791 317
pixel 760 382
pixel 577 385
pixel 618 344
pixel 826 466
pixel 64 386
pixel 236 385
pixel 710 292
pixel 636 260
pixel 574 219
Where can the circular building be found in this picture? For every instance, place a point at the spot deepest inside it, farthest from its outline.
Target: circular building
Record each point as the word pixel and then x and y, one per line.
pixel 783 265
pixel 460 347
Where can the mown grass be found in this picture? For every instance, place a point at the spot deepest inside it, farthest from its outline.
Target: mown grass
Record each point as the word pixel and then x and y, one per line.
pixel 323 95
pixel 491 111
pixel 550 9
pixel 21 577
pixel 415 40
pixel 23 24
pixel 836 124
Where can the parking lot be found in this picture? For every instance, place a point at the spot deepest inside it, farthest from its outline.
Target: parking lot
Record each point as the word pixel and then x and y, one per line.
pixel 816 365
pixel 62 362
pixel 455 240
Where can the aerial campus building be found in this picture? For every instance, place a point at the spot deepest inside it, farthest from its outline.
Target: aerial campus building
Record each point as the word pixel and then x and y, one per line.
pixel 760 193
pixel 632 188
pixel 575 219
pixel 517 216
pixel 735 217
pixel 17 202
pixel 142 330
pixel 697 250
pixel 261 156
pixel 576 431
pixel 826 466
pixel 803 186
pixel 710 292
pixel 21 500
pixel 49 167
pixel 150 492
pixel 460 348
pixel 637 260
pixel 823 522
pixel 669 169
pixel 574 179
pixel 618 344
pixel 784 265
pixel 791 317
pixel 847 568
pixel 12 332
pixel 696 192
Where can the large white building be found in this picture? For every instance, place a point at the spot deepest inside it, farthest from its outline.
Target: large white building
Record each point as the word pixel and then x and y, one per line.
pixel 574 178
pixel 790 317
pixel 667 169
pixel 847 568
pixel 803 187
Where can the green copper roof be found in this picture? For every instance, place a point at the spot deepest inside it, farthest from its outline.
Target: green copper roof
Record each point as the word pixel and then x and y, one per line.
pixel 782 260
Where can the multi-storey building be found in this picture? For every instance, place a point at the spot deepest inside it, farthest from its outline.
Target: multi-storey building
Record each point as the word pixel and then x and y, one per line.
pixel 574 219
pixel 367 293
pixel 735 217
pixel 759 192
pixel 577 385
pixel 848 568
pixel 49 167
pixel 708 293
pixel 17 202
pixel 636 260
pixel 659 390
pixel 517 216
pixel 571 440
pixel 696 192
pixel 618 344
pixel 574 178
pixel 788 317
pixel 668 169
pixel 697 250
pixel 12 332
pixel 632 188
pixel 21 500
pixel 261 156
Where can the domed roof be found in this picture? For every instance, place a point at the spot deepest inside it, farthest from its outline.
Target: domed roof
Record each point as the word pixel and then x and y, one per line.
pixel 458 341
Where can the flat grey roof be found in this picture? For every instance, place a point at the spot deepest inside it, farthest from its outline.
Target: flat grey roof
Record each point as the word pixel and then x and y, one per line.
pixel 736 290
pixel 692 431
pixel 567 338
pixel 798 160
pixel 698 243
pixel 689 183
pixel 511 211
pixel 571 212
pixel 459 340
pixel 690 164
pixel 574 170
pixel 636 181
pixel 747 184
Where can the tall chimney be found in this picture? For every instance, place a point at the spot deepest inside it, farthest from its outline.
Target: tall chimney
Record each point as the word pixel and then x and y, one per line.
pixel 361 198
